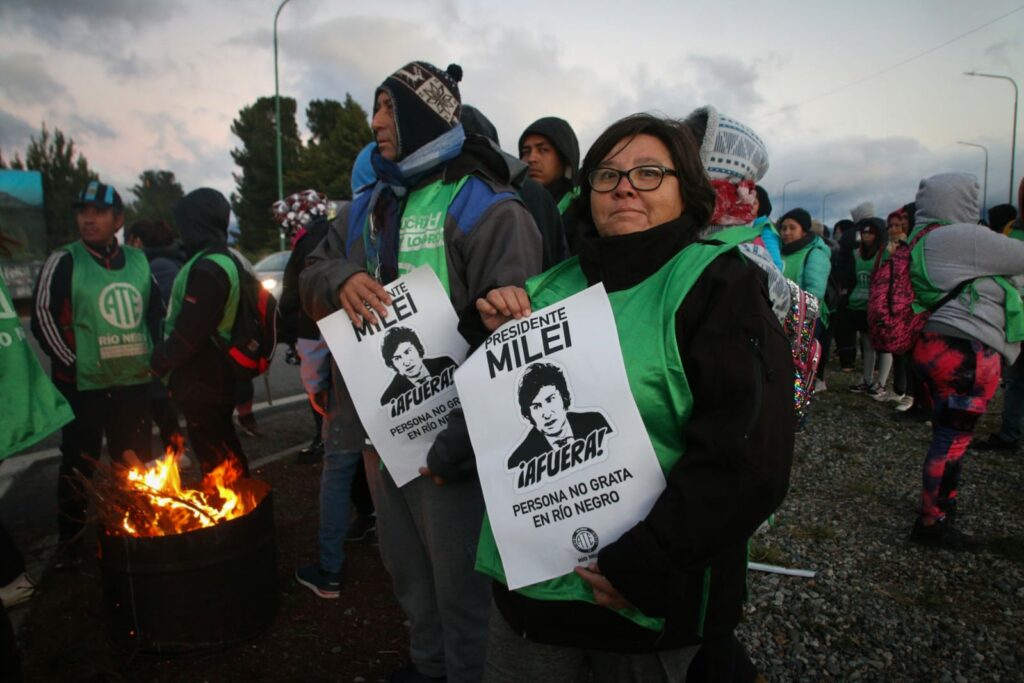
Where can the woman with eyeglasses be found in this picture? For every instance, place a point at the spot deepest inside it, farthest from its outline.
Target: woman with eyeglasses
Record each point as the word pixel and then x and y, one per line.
pixel 710 370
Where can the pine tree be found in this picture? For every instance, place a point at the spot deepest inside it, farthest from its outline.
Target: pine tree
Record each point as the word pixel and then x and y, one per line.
pixel 155 196
pixel 64 175
pixel 256 183
pixel 338 133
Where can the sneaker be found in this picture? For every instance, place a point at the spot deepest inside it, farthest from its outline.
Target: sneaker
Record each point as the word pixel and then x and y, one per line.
pixel 18 591
pixel 311 454
pixel 847 370
pixel 861 388
pixel 904 403
pixel 995 442
pixel 248 424
pixel 361 528
pixel 942 535
pixel 878 392
pixel 324 584
pixel 820 387
pixel 914 413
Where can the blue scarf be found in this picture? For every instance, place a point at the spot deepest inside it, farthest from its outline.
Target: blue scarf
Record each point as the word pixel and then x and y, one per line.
pixel 384 207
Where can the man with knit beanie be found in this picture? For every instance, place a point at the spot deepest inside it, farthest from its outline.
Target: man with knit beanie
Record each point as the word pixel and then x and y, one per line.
pixel 473 231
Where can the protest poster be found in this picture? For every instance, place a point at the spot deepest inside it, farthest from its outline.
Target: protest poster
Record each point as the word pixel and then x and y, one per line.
pixel 564 460
pixel 400 372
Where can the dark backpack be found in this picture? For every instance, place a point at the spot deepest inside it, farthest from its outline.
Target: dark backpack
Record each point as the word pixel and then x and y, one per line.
pixel 254 332
pixel 892 323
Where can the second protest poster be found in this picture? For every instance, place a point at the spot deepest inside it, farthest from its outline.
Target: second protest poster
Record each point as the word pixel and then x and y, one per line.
pixel 400 371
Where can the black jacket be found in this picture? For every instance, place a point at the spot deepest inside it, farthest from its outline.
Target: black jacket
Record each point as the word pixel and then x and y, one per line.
pixel 294 321
pixel 733 475
pixel 199 370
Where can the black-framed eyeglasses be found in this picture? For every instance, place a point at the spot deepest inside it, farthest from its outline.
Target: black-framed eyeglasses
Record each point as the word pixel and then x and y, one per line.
pixel 642 178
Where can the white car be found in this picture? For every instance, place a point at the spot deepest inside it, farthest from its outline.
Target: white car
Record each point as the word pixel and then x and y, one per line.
pixel 270 271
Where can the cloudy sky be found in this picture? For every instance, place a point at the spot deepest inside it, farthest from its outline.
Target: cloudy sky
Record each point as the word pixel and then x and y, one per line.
pixel 856 101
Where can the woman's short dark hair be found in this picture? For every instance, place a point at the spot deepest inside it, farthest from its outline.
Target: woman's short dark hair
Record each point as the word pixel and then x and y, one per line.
pixel 394 338
pixel 152 233
pixel 694 186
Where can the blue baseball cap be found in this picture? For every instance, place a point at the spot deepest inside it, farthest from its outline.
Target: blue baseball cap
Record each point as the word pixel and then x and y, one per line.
pixel 99 195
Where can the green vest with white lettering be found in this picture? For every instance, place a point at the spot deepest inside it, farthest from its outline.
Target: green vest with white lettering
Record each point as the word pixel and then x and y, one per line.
pixel 654 368
pixel 33 408
pixel 421 233
pixel 227 320
pixel 108 312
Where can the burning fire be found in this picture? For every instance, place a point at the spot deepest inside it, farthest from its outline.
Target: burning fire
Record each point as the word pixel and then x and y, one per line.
pixel 160 506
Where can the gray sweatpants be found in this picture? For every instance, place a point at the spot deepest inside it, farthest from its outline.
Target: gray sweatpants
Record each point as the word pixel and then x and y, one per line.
pixel 428 536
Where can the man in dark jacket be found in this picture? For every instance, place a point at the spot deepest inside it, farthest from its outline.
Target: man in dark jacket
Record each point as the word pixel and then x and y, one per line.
pixel 538 201
pixel 96 311
pixel 476 235
pixel 204 299
pixel 550 148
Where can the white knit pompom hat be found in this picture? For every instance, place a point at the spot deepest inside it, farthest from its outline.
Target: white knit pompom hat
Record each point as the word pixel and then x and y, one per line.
pixel 729 150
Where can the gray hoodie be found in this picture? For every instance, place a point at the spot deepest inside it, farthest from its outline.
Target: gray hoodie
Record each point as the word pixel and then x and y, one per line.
pixel 965 250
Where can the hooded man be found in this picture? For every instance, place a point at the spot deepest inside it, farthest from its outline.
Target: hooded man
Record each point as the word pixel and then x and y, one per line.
pixel 204 300
pixel 550 149
pixel 95 312
pixel 478 236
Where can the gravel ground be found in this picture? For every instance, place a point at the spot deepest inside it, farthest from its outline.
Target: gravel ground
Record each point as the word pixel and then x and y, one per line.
pixel 881 608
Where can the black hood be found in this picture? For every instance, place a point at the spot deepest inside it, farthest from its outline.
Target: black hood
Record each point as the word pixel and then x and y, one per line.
pixel 562 138
pixel 202 219
pixel 474 121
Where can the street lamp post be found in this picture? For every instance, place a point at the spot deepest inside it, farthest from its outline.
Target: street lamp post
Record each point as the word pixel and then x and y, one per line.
pixel 1013 141
pixel 984 182
pixel 277 124
pixel 784 186
pixel 826 196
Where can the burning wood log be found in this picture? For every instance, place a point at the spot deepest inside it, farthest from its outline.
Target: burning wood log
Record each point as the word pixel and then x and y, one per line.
pixel 149 499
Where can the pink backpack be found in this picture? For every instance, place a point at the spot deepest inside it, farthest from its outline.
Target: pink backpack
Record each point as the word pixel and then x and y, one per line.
pixel 892 323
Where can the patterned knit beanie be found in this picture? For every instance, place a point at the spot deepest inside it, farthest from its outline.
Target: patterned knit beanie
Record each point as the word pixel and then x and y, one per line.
pixel 735 158
pixel 426 103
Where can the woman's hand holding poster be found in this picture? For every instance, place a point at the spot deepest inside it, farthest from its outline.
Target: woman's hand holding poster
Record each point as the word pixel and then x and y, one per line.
pixel 564 460
pixel 400 372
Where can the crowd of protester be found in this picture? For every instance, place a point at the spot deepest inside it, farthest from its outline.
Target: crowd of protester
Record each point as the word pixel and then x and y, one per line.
pixel 668 212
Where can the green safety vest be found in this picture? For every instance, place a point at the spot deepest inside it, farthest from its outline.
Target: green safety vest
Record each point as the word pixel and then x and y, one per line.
pixel 108 313
pixel 421 232
pixel 568 198
pixel 863 267
pixel 793 268
pixel 33 408
pixel 657 381
pixel 926 294
pixel 227 320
